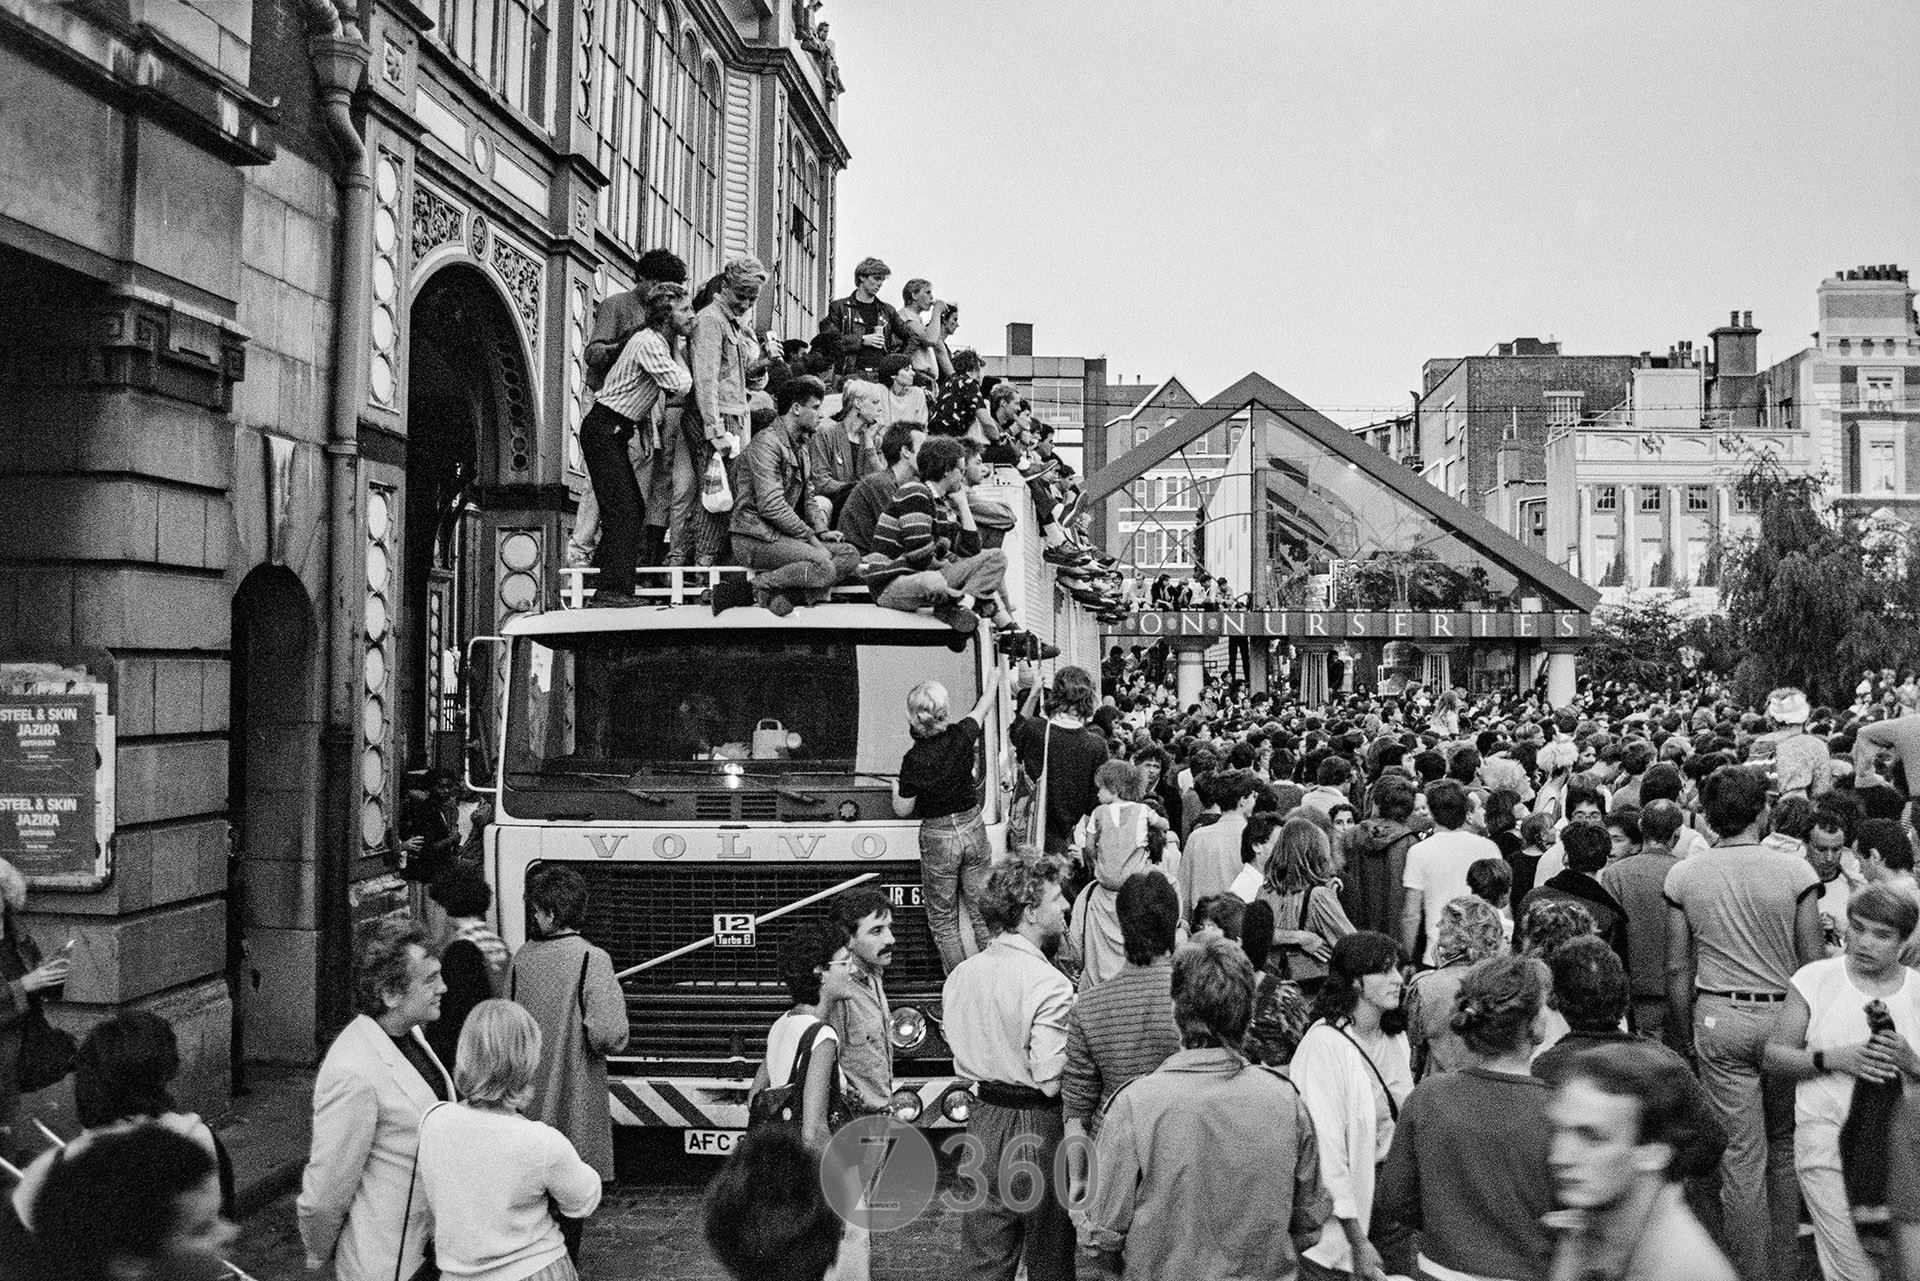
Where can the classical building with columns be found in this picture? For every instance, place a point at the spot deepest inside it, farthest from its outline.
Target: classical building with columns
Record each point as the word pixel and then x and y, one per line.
pixel 298 294
pixel 1358 573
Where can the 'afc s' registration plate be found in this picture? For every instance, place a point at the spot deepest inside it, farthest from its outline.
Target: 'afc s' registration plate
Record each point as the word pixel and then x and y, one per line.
pixel 710 1142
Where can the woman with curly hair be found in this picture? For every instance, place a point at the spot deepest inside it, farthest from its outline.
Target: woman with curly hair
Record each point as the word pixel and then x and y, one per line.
pixel 1478 1218
pixel 1470 932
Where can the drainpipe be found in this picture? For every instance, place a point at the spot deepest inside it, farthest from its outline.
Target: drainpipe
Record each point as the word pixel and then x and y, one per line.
pixel 340 57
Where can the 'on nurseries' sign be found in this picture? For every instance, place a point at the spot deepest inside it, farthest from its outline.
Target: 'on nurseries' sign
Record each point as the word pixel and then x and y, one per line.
pixel 1309 625
pixel 56 749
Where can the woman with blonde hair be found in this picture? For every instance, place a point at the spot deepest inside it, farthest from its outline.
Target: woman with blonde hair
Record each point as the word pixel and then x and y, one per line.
pixel 487 1172
pixel 1308 917
pixel 937 786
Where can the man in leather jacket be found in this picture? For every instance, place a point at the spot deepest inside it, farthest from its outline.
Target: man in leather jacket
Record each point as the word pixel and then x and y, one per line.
pixel 793 561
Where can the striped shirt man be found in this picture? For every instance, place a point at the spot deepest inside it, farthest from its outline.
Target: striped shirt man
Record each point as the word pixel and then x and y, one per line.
pixel 1121 1029
pixel 645 369
pixel 917 532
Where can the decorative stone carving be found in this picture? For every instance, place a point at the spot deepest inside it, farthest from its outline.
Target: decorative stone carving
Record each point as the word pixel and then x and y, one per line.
pixel 520 272
pixel 435 221
pixel 479 233
pixel 393 63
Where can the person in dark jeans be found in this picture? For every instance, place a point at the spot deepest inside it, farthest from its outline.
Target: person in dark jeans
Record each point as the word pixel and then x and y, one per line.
pixel 937 786
pixel 627 406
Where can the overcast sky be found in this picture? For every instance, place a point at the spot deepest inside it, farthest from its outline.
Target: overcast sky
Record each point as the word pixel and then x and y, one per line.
pixel 1332 193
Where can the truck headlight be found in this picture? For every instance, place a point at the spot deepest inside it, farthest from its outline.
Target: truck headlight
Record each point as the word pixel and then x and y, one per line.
pixel 957 1103
pixel 905 1106
pixel 907 1028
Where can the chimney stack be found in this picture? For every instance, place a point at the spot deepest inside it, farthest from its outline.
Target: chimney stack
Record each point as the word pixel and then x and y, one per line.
pixel 1736 347
pixel 1019 339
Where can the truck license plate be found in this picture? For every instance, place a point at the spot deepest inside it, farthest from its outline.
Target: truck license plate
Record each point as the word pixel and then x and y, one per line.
pixel 710 1142
pixel 904 895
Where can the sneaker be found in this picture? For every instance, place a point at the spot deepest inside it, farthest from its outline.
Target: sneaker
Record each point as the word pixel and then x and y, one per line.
pixel 1064 554
pixel 958 617
pixel 779 604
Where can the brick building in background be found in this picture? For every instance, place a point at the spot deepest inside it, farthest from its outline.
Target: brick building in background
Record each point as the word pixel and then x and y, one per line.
pixel 1517 393
pixel 298 295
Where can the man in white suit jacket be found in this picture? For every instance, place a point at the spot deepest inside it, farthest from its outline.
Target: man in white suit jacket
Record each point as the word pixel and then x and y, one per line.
pixel 361 1208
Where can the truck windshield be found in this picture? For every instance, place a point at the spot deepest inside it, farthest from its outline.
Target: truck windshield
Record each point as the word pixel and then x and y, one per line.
pixel 675 703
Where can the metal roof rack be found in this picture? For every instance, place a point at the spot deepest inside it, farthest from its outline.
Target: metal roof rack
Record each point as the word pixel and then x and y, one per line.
pixel 680 585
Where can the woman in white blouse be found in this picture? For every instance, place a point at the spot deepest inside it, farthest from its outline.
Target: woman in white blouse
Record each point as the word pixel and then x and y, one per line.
pixel 1354 1070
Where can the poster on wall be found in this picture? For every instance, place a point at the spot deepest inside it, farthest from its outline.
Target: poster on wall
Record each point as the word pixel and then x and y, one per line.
pixel 56 774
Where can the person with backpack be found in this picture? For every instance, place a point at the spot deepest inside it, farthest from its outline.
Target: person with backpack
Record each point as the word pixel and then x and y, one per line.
pixel 799 1082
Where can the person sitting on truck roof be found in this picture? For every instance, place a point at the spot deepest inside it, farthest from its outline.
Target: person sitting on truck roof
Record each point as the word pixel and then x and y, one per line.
pixel 770 528
pixel 847 449
pixel 867 503
pixel 926 548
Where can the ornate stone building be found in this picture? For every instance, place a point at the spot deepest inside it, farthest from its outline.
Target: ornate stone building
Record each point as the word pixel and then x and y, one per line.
pixel 298 296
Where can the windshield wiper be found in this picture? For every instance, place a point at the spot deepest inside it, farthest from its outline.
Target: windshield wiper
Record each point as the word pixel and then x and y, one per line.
pixel 603 783
pixel 758 780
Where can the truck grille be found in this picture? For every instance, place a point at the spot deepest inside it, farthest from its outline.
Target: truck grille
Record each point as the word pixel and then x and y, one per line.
pixel 695 1004
pixel 640 910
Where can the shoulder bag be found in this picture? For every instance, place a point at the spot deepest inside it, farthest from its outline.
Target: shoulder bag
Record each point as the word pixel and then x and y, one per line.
pixel 1027 820
pixel 786 1104
pixel 1393 1108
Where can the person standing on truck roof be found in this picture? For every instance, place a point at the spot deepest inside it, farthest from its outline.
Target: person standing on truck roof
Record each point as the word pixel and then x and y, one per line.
pixel 858 1009
pixel 937 785
pixel 795 562
pixel 567 984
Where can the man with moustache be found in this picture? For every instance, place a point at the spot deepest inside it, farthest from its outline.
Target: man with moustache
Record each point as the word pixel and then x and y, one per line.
pixel 858 1000
pixel 1006 1021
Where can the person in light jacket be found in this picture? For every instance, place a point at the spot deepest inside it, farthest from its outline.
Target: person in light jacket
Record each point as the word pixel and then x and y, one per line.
pixel 1354 1070
pixel 359 1207
pixel 567 984
pixel 488 1172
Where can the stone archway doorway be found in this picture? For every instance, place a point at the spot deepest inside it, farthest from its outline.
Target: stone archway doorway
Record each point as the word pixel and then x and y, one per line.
pixel 274 943
pixel 467 397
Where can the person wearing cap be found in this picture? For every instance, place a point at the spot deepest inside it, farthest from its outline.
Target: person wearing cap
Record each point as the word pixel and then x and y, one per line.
pixel 863 328
pixel 1801 763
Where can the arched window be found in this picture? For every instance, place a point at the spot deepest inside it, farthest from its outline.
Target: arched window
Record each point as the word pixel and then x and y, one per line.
pixel 800 273
pixel 663 103
pixel 711 139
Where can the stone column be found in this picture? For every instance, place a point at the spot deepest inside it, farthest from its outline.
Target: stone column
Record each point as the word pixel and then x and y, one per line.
pixel 1560 679
pixel 1583 534
pixel 1191 675
pixel 1257 664
pixel 1630 532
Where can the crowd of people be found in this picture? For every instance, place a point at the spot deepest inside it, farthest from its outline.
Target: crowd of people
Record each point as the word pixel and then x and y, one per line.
pixel 852 458
pixel 1451 988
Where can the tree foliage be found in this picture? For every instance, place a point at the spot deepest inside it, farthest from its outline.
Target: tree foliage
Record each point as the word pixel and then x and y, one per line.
pixel 1652 640
pixel 1818 592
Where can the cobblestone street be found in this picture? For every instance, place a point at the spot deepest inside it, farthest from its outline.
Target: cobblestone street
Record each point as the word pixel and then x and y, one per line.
pixel 647 1229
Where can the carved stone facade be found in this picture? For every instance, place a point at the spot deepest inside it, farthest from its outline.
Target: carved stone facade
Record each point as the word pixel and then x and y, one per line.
pixel 218 437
